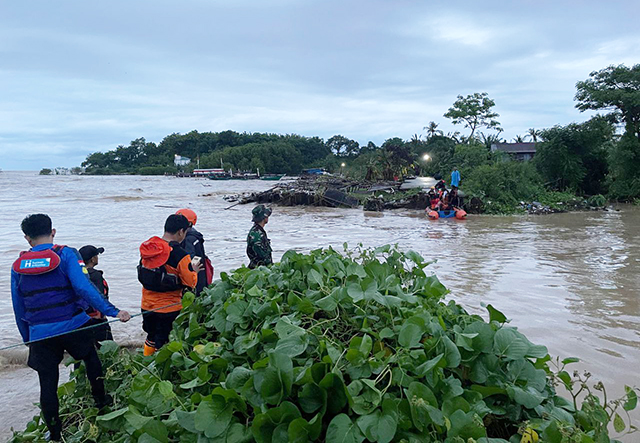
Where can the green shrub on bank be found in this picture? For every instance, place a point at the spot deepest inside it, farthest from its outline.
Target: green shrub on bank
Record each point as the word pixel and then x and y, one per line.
pixel 624 170
pixel 503 185
pixel 156 170
pixel 336 348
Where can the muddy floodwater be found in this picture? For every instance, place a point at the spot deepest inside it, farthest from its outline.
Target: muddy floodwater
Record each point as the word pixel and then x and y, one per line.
pixel 568 281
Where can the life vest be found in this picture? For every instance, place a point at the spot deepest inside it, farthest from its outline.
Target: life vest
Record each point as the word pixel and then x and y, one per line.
pixel 158 279
pixel 94 313
pixel 46 292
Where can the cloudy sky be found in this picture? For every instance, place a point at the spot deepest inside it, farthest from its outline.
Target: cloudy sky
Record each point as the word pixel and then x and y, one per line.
pixel 84 76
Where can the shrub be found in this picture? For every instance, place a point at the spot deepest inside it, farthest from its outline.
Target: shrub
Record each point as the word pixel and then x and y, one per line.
pixel 155 170
pixel 624 170
pixel 504 184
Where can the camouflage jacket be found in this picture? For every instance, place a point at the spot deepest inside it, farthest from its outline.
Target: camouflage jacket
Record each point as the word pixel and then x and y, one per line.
pixel 258 247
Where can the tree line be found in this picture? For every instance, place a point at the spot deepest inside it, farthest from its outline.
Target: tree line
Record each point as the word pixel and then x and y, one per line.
pixel 599 156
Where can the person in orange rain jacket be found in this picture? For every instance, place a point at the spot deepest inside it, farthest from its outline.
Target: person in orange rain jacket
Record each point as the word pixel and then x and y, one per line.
pixel 434 201
pixel 165 271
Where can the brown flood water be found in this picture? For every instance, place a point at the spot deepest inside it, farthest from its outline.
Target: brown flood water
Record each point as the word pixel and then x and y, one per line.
pixel 568 281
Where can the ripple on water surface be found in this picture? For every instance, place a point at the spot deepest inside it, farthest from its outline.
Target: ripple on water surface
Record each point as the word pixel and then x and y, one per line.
pixel 569 281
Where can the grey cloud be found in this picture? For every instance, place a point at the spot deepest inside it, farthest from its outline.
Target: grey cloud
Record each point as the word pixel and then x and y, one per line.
pixel 76 77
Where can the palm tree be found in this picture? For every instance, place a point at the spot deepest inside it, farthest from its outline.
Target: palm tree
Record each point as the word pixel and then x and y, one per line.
pixel 534 134
pixel 455 136
pixel 518 139
pixel 372 170
pixel 432 129
pixel 490 139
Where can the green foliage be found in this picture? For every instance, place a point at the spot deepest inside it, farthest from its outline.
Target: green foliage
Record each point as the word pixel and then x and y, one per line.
pixel 441 149
pixel 156 170
pixel 395 158
pixel 365 167
pixel 474 111
pixel 46 171
pixel 624 169
pixel 467 157
pixel 273 156
pixel 267 152
pixel 561 200
pixel 615 88
pixel 575 156
pixel 504 184
pixel 332 347
pixel 343 147
pixel 432 129
pixel 597 201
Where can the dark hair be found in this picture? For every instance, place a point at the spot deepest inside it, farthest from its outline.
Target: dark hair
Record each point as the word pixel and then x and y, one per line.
pixel 36 225
pixel 176 222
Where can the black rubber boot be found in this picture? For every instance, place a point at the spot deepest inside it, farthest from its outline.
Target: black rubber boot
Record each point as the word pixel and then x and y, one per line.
pixel 55 431
pixel 103 401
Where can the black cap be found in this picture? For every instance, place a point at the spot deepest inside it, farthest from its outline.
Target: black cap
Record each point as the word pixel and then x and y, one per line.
pixel 89 251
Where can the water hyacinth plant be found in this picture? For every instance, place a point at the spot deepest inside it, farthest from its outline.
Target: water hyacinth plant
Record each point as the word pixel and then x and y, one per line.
pixel 337 347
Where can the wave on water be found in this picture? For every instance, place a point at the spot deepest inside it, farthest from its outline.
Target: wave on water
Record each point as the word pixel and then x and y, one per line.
pixel 12 359
pixel 124 198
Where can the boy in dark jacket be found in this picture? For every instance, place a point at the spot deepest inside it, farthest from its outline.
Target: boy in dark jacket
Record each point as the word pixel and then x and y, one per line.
pixel 89 255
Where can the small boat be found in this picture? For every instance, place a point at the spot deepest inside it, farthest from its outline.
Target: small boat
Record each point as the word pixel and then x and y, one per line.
pixel 460 214
pixel 272 177
pixel 219 177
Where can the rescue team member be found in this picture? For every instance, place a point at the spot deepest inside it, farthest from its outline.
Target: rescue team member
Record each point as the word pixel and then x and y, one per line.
pixel 455 177
pixel 258 244
pixel 194 245
pixel 165 271
pixel 50 292
pixel 454 199
pixel 89 254
pixel 434 201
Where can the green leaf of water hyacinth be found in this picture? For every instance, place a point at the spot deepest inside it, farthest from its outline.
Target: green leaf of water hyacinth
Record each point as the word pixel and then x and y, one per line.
pixel 326 347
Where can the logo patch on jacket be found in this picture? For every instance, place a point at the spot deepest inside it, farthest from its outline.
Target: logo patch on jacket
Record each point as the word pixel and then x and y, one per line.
pixel 35 263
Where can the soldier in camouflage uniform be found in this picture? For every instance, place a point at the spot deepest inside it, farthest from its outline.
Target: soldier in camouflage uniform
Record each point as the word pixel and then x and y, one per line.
pixel 258 244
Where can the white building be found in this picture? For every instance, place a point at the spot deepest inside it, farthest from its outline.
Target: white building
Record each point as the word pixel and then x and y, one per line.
pixel 181 161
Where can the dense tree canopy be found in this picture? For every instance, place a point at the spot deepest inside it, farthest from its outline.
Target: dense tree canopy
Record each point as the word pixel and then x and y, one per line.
pixel 343 147
pixel 575 156
pixel 614 88
pixel 474 111
pixel 244 151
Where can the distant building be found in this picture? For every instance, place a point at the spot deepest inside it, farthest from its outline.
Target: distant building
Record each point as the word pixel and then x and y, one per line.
pixel 207 172
pixel 181 161
pixel 518 151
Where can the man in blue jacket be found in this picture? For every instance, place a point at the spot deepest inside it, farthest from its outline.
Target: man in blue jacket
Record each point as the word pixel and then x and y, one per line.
pixel 455 178
pixel 50 293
